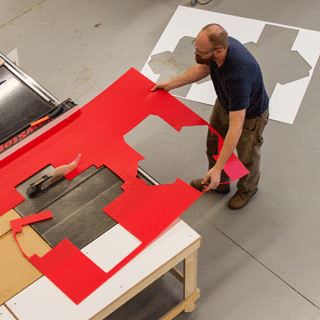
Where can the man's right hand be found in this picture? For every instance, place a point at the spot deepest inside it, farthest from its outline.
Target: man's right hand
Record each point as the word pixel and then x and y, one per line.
pixel 196 73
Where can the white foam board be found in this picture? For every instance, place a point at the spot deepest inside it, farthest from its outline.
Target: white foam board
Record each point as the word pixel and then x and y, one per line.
pixel 285 100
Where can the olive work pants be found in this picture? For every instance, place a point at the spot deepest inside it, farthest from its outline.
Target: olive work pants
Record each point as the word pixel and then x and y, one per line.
pixel 248 147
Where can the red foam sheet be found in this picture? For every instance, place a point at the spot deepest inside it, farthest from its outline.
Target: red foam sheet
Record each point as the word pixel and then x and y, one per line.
pixel 146 211
pixel 70 270
pixel 96 131
pixel 17 224
pixel 233 170
pixel 65 265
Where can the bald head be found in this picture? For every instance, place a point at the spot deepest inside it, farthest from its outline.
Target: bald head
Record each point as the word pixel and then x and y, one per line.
pixel 217 35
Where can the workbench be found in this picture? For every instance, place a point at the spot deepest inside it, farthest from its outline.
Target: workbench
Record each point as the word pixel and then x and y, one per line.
pixel 178 243
pixel 77 209
pixel 42 300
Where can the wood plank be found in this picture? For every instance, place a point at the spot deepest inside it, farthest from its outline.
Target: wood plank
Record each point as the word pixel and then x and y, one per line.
pixel 183 305
pixel 190 278
pixel 178 274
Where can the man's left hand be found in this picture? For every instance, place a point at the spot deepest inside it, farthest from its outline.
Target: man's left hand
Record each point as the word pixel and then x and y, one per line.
pixel 214 176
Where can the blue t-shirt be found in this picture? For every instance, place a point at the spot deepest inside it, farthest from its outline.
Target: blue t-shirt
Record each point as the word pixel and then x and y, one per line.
pixel 239 83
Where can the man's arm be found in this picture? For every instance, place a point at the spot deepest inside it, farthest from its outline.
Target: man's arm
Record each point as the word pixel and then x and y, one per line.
pixel 236 119
pixel 194 74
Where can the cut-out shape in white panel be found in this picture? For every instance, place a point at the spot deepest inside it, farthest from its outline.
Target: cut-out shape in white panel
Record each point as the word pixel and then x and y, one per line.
pixel 285 99
pixel 43 300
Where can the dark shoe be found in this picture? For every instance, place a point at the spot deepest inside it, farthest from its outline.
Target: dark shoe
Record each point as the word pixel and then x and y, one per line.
pixel 239 200
pixel 196 183
pixel 222 188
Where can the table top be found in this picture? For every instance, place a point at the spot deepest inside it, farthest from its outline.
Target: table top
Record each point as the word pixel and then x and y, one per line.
pixel 43 300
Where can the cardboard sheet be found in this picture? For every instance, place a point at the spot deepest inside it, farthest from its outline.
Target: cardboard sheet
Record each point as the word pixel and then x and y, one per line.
pixel 5 221
pixel 16 273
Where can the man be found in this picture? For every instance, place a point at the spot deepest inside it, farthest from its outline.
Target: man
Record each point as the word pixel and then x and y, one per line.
pixel 240 112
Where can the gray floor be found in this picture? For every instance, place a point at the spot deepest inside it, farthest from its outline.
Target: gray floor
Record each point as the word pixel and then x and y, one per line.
pixel 261 262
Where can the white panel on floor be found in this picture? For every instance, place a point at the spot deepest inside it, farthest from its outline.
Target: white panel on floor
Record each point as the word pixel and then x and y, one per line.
pixel 285 100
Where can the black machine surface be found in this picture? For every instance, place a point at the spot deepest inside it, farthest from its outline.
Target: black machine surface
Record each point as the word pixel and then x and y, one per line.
pixel 22 102
pixel 19 105
pixel 76 205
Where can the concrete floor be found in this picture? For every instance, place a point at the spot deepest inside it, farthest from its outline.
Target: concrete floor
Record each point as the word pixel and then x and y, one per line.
pixel 261 262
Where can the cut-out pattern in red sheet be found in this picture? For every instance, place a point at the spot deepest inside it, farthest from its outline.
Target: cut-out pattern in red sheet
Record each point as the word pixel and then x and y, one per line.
pixel 96 131
pixel 65 265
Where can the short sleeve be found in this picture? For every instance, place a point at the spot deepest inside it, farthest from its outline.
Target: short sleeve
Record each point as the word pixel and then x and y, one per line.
pixel 238 92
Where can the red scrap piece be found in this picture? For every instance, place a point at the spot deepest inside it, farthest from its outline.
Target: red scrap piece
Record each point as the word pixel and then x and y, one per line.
pixel 17 224
pixel 65 265
pixel 70 270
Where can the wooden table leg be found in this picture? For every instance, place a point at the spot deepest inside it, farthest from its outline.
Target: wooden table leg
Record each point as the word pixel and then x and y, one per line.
pixel 190 278
pixel 190 291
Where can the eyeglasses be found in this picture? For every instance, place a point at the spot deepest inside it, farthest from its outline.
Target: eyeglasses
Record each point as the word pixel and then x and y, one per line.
pixel 201 52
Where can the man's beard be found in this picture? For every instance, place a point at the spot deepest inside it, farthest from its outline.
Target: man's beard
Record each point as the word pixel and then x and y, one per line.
pixel 202 61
